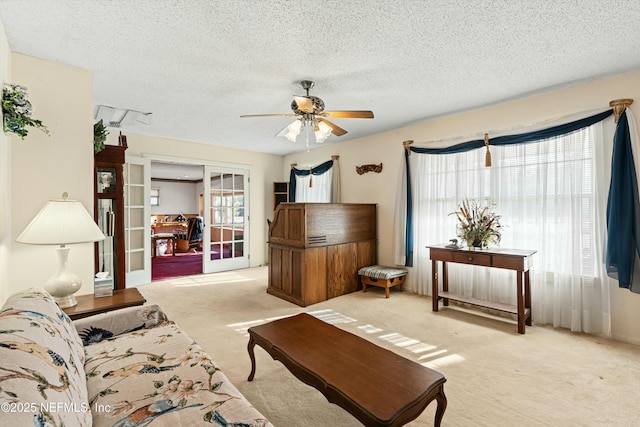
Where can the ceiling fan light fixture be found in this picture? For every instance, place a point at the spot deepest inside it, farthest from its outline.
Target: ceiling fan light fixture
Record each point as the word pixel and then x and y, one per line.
pixel 312 118
pixel 293 130
pixel 322 131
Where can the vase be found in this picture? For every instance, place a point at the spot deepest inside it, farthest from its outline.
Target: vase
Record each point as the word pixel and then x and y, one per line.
pixel 475 245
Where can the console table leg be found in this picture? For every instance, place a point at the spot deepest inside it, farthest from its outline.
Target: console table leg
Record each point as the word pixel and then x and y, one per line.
pixel 252 356
pixel 434 285
pixel 520 298
pixel 441 399
pixel 445 281
pixel 527 297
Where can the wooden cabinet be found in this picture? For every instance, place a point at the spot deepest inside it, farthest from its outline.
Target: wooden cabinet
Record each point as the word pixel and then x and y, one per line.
pixel 109 212
pixel 316 249
pixel 280 193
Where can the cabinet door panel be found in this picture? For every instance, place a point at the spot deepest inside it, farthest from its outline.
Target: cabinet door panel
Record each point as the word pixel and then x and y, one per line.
pixel 314 287
pixel 342 269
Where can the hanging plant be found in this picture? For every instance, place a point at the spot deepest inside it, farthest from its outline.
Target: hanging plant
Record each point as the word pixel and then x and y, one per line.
pixel 17 111
pixel 100 133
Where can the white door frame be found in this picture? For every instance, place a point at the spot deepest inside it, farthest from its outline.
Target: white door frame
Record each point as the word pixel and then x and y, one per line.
pixel 206 163
pixel 232 263
pixel 140 276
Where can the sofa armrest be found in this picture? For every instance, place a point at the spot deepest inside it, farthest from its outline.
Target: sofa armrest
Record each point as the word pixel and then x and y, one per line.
pixel 107 325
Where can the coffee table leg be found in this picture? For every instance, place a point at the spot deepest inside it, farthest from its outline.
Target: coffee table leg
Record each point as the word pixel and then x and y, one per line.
pixel 441 399
pixel 252 356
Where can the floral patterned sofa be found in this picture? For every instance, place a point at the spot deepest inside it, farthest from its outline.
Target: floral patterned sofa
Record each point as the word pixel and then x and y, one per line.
pixel 128 367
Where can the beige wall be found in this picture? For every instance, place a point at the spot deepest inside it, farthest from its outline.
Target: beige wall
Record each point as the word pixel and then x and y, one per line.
pixel 43 167
pixel 5 173
pixel 264 169
pixel 387 148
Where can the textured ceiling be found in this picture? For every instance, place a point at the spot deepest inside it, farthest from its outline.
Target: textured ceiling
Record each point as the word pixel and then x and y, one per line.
pixel 198 65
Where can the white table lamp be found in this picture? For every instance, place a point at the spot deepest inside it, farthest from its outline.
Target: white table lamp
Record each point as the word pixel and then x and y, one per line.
pixel 62 222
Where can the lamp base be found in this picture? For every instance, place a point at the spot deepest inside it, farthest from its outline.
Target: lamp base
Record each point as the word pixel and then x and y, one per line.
pixel 66 302
pixel 64 283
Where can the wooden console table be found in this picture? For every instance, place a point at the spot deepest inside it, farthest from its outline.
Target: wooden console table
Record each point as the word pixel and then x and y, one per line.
pixel 377 386
pixel 88 305
pixel 519 260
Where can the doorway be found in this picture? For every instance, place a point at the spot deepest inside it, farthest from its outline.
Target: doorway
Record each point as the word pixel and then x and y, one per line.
pixel 176 219
pixel 199 218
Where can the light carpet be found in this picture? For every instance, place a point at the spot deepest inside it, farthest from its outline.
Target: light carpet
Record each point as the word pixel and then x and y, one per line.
pixel 495 376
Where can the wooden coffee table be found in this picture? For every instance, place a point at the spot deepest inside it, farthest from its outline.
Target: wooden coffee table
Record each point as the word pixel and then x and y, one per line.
pixel 377 386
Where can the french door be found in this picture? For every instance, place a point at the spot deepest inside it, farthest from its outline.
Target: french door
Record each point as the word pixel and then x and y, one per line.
pixel 226 210
pixel 137 220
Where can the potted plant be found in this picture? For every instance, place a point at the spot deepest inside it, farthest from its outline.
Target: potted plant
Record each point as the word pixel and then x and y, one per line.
pixel 17 111
pixel 100 133
pixel 478 225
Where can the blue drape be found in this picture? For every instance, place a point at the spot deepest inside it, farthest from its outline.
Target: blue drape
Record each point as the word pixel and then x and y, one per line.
pixel 521 138
pixel 317 170
pixel 408 244
pixel 623 210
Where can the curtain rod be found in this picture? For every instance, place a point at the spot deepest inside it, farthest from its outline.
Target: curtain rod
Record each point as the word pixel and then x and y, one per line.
pixel 618 106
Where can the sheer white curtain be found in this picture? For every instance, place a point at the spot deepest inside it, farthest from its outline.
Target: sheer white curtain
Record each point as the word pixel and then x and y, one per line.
pixel 552 197
pixel 323 188
pixel 314 188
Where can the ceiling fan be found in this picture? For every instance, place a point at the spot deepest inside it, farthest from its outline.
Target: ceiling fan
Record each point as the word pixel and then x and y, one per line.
pixel 311 117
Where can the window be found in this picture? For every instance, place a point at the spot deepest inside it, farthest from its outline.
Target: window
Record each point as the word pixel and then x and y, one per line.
pixel 155 197
pixel 550 196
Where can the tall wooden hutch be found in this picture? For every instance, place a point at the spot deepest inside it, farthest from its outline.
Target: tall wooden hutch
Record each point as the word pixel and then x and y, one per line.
pixel 109 211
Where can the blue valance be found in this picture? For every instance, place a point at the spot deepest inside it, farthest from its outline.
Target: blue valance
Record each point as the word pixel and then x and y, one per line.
pixel 623 211
pixel 522 138
pixel 317 170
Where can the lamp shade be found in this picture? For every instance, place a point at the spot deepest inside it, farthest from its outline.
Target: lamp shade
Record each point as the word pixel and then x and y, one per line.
pixel 61 222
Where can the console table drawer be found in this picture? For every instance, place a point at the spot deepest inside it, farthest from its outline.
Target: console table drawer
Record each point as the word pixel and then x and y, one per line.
pixel 472 258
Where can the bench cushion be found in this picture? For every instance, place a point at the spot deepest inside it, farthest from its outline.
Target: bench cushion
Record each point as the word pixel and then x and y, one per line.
pixel 382 272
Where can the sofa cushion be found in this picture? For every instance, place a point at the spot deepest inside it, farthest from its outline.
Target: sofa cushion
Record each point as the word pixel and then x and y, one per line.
pixel 42 378
pixel 160 372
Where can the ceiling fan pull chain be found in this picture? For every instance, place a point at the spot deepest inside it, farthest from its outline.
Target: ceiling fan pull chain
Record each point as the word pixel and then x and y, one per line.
pixel 310 177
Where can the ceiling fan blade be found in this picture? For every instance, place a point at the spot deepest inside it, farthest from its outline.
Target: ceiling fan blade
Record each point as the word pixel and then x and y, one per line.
pixel 354 114
pixel 268 115
pixel 304 104
pixel 335 129
pixel 284 130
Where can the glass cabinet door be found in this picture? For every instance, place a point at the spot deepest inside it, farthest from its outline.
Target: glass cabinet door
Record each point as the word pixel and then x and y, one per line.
pixel 107 253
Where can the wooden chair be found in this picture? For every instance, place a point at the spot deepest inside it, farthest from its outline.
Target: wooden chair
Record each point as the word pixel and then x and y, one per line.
pixel 192 241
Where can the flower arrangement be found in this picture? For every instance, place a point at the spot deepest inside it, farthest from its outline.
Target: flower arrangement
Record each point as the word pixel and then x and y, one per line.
pixel 16 111
pixel 478 225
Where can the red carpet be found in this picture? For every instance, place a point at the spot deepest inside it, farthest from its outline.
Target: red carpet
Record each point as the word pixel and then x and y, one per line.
pixel 166 266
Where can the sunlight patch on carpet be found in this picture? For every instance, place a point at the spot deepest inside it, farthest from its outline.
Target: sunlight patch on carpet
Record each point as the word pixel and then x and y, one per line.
pixel 242 327
pixel 398 339
pixel 443 361
pixel 369 329
pixel 332 317
pixel 211 279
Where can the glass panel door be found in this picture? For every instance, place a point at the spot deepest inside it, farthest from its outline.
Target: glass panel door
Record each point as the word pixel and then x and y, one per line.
pixel 137 221
pixel 225 213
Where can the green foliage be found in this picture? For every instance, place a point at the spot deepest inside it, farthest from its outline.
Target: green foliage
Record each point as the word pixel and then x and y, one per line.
pixel 100 133
pixel 17 111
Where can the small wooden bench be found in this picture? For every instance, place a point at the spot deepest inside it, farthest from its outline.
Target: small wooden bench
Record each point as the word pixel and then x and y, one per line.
pixel 381 276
